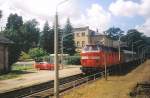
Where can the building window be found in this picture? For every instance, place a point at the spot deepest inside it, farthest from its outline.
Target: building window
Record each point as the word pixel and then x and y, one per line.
pixel 78 44
pixel 83 33
pixel 83 43
pixel 77 34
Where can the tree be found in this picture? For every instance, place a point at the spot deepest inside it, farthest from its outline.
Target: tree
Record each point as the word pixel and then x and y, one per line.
pixel 68 40
pixel 114 32
pixel 14 22
pixel 30 33
pixel 37 53
pixel 24 36
pixel 12 32
pixel 0 14
pixel 47 38
pixel 132 36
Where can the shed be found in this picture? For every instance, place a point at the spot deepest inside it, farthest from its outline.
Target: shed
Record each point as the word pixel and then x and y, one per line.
pixel 4 45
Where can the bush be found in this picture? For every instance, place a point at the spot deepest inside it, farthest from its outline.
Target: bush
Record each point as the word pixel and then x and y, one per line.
pixel 37 53
pixel 73 60
pixel 24 56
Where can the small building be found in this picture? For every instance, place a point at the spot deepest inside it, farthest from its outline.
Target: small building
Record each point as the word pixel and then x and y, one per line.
pixel 84 36
pixel 4 64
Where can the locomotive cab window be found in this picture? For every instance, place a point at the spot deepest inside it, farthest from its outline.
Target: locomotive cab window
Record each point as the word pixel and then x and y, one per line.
pixel 91 48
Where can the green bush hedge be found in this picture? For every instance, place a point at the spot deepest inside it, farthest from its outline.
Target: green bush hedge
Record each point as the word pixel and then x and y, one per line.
pixel 24 56
pixel 37 54
pixel 73 60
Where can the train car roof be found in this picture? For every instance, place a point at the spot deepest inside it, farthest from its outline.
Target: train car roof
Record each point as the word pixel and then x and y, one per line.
pixel 128 52
pixel 108 48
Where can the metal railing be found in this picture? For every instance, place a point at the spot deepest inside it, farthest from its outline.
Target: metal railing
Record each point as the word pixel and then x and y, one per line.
pixel 83 80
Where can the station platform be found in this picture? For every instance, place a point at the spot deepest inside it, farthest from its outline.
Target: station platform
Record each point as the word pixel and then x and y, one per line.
pixel 36 77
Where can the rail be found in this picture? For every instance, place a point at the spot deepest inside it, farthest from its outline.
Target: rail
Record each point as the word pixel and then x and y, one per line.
pixel 69 85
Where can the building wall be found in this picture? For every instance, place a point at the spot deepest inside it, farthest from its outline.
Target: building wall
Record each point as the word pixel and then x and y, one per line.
pixel 81 38
pixel 3 59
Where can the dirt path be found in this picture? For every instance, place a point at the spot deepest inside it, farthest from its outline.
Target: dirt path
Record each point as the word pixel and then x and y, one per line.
pixel 115 87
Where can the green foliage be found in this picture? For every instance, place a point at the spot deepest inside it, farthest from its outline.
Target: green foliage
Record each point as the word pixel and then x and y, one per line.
pixel 37 53
pixel 73 60
pixel 138 39
pixel 114 33
pixel 24 56
pixel 30 33
pixel 12 32
pixel 24 36
pixel 14 22
pixel 133 36
pixel 68 40
pixel 16 67
pixel 47 39
pixel 17 70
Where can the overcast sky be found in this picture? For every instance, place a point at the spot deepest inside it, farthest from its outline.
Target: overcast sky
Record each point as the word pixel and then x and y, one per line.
pixel 98 14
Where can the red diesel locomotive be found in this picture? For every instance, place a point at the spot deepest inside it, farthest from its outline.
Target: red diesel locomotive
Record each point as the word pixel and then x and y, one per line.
pixel 94 57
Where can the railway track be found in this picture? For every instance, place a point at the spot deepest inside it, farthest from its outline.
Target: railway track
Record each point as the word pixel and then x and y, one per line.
pixel 66 86
pixel 26 91
pixel 45 90
pixel 141 90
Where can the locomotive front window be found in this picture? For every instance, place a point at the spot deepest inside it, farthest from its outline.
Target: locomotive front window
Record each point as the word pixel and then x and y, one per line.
pixel 91 48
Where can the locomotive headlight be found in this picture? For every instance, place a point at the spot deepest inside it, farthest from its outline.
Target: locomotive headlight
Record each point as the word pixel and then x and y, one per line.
pixel 84 57
pixel 90 57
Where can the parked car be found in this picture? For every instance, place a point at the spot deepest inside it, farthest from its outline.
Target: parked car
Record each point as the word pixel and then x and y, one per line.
pixel 44 66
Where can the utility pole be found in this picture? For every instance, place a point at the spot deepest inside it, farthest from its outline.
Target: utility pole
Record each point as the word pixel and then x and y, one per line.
pixel 133 46
pixel 132 50
pixel 62 53
pixel 119 49
pixel 56 67
pixel 105 58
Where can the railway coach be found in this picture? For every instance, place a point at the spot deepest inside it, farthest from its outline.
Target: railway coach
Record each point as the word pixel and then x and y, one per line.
pixel 94 57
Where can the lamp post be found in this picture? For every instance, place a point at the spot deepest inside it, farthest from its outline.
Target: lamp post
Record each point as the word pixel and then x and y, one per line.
pixel 119 48
pixel 143 52
pixel 56 68
pixel 139 49
pixel 105 57
pixel 133 46
pixel 56 79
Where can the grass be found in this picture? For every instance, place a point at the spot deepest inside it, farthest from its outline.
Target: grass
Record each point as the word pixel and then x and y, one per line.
pixel 114 87
pixel 22 67
pixel 17 70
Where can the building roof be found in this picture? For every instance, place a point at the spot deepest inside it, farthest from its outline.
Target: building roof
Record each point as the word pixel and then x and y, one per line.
pixel 81 28
pixel 4 40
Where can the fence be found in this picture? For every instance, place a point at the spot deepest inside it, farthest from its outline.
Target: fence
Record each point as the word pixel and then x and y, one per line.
pixel 67 60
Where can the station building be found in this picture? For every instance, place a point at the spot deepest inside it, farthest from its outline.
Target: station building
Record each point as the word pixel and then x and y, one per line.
pixel 84 36
pixel 4 44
